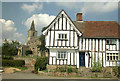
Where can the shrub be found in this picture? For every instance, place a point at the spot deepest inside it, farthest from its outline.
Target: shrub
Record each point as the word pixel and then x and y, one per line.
pixel 117 71
pixel 28 52
pixel 7 57
pixel 40 64
pixel 96 67
pixel 17 63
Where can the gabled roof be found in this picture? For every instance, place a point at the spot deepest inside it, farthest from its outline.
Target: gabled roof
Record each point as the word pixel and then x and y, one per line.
pixel 94 29
pixel 99 28
pixel 56 18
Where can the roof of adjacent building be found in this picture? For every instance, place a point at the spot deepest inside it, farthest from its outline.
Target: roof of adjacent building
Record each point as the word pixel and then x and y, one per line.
pixel 98 28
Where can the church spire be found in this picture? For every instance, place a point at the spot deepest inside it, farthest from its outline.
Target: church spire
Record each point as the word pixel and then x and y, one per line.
pixel 32 26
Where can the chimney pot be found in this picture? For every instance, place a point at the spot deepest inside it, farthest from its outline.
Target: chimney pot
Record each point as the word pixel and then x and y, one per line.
pixel 79 16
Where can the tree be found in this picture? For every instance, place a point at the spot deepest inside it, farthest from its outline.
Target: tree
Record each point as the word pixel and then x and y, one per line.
pixel 28 52
pixel 10 48
pixel 42 47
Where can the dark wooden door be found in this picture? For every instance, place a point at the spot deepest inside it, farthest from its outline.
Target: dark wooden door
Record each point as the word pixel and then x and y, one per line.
pixel 82 58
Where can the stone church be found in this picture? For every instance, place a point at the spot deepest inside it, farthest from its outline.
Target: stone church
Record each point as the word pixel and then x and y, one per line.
pixel 32 42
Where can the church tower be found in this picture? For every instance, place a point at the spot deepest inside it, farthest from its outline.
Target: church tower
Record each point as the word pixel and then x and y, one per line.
pixel 32 33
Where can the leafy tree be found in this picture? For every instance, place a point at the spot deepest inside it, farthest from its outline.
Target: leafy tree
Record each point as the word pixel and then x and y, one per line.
pixel 42 47
pixel 10 48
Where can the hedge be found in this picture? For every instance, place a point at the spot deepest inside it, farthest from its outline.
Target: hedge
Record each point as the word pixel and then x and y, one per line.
pixel 7 57
pixel 17 63
pixel 40 64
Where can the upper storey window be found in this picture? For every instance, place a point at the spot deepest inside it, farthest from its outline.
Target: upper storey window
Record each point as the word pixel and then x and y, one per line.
pixel 111 41
pixel 62 36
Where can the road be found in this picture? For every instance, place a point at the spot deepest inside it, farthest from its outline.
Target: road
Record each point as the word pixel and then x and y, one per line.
pixel 27 74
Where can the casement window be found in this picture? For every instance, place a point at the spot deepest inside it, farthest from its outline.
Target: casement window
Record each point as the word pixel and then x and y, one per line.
pixel 62 55
pixel 111 41
pixel 112 56
pixel 62 36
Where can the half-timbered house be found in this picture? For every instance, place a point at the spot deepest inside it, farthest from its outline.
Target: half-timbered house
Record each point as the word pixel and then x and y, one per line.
pixel 81 43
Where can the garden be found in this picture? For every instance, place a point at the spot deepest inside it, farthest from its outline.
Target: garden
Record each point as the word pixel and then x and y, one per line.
pixel 9 51
pixel 97 71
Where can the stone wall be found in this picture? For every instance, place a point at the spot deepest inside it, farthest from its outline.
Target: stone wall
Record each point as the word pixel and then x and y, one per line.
pixel 107 72
pixel 53 67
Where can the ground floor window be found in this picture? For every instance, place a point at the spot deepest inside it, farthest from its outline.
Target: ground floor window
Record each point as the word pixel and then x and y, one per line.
pixel 112 56
pixel 61 55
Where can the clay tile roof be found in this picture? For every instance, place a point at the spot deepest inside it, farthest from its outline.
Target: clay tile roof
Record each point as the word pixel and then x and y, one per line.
pixel 99 28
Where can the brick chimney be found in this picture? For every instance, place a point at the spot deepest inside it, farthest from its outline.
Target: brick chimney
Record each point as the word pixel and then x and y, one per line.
pixel 79 16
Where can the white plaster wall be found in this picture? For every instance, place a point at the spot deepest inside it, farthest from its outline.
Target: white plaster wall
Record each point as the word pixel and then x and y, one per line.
pixel 86 59
pixel 71 38
pixel 104 60
pixel 77 59
pixel 53 53
pixel 86 44
pixel 76 39
pixel 118 44
pixel 71 58
pixel 89 44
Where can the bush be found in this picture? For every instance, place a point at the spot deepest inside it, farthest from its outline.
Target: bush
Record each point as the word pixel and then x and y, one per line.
pixel 7 57
pixel 96 67
pixel 40 64
pixel 28 52
pixel 17 63
pixel 117 71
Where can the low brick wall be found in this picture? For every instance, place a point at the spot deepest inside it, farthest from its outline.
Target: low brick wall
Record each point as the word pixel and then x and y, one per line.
pixel 62 74
pixel 53 67
pixel 107 72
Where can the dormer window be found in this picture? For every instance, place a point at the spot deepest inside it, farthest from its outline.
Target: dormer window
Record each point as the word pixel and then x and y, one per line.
pixel 111 41
pixel 62 36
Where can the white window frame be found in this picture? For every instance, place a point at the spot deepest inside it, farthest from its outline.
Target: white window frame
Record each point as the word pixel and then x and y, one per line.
pixel 111 41
pixel 63 36
pixel 112 55
pixel 62 53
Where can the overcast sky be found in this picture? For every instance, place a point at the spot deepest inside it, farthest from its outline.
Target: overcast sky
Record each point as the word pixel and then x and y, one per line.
pixel 17 16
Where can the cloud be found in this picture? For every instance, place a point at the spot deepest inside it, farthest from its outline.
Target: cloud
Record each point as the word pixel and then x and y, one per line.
pixel 10 32
pixel 41 20
pixel 31 8
pixel 70 5
pixel 99 7
pixel 91 7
